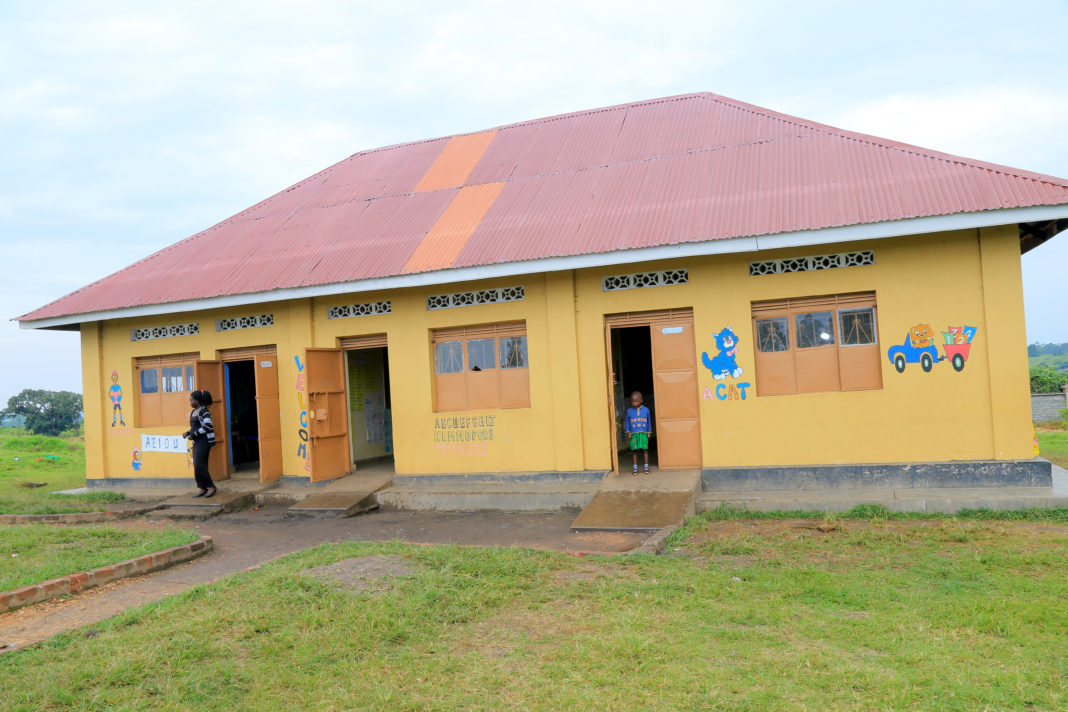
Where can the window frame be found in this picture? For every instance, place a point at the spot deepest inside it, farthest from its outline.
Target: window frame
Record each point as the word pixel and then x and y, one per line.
pixel 874 325
pixel 499 387
pixel 818 368
pixel 164 408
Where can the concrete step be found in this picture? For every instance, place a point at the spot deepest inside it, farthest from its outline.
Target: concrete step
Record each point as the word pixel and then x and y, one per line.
pixel 333 504
pixel 469 495
pixel 643 503
pixel 343 497
pixel 184 513
pixel 220 503
pixel 942 500
pixel 147 494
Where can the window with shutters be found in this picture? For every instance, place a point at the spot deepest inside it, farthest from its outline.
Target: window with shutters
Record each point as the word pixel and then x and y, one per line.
pixel 813 344
pixel 163 389
pixel 481 367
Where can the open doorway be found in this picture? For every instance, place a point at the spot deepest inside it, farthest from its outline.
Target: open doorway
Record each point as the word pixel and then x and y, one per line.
pixel 632 360
pixel 654 353
pixel 242 418
pixel 370 410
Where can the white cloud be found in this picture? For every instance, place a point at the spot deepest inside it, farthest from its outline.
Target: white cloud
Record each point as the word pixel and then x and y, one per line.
pixel 997 123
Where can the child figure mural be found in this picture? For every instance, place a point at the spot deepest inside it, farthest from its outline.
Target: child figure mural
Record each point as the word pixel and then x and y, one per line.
pixel 115 393
pixel 637 426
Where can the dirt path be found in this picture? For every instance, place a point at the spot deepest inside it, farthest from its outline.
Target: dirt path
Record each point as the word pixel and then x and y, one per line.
pixel 247 539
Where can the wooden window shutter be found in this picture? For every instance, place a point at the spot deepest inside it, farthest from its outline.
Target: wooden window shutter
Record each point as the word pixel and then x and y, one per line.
pixel 650 318
pixel 249 353
pixel 468 390
pixel 366 341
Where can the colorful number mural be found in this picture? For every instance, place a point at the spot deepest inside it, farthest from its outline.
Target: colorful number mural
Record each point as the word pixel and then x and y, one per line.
pixel 919 348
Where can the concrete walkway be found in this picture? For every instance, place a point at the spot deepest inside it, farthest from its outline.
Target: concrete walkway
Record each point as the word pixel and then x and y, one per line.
pixel 247 539
pixel 1060 481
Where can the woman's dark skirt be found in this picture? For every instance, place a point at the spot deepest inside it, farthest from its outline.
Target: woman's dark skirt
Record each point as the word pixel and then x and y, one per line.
pixel 201 448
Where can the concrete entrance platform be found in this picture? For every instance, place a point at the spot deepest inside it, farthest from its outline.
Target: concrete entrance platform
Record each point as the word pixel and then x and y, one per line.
pixel 486 495
pixel 343 497
pixel 221 502
pixel 944 501
pixel 660 499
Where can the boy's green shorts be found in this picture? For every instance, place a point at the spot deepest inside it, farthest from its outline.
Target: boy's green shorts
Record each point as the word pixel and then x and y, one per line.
pixel 639 441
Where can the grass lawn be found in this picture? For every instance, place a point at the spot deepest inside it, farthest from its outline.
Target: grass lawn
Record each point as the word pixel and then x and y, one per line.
pixel 741 615
pixel 1058 362
pixel 1053 443
pixel 58 462
pixel 39 552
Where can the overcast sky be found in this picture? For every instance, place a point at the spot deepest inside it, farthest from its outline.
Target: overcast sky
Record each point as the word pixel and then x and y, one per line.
pixel 128 126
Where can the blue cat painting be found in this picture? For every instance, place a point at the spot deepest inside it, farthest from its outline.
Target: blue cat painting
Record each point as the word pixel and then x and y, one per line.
pixel 723 364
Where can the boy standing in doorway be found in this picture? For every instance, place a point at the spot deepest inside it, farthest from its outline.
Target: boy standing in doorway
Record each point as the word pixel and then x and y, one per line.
pixel 637 426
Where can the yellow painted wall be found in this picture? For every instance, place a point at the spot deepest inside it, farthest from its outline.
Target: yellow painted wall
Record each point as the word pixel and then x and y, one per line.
pixel 523 438
pixel 938 416
pixel 967 277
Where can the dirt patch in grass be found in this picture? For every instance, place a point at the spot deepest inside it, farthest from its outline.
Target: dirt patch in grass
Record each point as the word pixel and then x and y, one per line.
pixel 362 572
pixel 741 532
pixel 524 631
pixel 588 572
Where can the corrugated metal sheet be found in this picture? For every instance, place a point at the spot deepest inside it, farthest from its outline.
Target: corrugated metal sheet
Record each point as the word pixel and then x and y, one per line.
pixel 681 169
pixel 459 157
pixel 450 233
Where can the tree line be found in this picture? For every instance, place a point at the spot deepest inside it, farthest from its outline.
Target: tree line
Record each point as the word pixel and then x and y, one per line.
pixel 46 412
pixel 1037 349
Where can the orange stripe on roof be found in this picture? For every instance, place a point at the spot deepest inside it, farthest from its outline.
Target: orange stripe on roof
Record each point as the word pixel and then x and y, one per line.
pixel 451 232
pixel 456 161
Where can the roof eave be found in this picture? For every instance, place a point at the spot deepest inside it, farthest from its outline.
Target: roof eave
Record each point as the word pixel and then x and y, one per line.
pixel 1049 216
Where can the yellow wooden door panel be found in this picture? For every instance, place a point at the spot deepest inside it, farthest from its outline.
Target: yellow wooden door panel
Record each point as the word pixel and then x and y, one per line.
pixel 678 424
pixel 328 416
pixel 209 377
pixel 678 443
pixel 674 347
pixel 675 394
pixel 269 418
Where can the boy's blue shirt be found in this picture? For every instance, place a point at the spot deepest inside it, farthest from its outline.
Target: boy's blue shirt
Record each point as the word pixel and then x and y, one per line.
pixel 638 420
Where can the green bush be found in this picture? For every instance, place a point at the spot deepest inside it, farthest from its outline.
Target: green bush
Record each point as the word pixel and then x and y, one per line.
pixel 1046 379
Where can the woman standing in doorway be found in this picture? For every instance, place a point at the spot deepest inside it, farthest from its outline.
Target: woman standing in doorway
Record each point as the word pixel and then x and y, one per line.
pixel 202 433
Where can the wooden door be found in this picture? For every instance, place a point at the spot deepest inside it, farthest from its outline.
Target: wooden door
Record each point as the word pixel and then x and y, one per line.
pixel 328 413
pixel 209 377
pixel 612 375
pixel 678 425
pixel 268 418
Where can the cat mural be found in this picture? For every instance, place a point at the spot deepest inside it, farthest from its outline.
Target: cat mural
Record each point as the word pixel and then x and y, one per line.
pixel 724 363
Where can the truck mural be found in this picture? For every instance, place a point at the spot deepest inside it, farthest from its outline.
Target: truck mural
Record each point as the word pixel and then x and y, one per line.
pixel 919 348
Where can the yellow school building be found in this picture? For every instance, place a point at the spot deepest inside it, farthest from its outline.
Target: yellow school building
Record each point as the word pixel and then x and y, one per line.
pixel 794 302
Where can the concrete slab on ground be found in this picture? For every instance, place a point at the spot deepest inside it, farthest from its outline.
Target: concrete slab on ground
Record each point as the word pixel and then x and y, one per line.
pixel 644 502
pixel 942 500
pixel 475 495
pixel 76 490
pixel 343 497
pixel 219 503
pixel 1060 481
pixel 147 494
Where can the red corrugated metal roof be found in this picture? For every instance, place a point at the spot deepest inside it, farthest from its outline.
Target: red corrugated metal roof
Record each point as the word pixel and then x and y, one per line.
pixel 682 169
